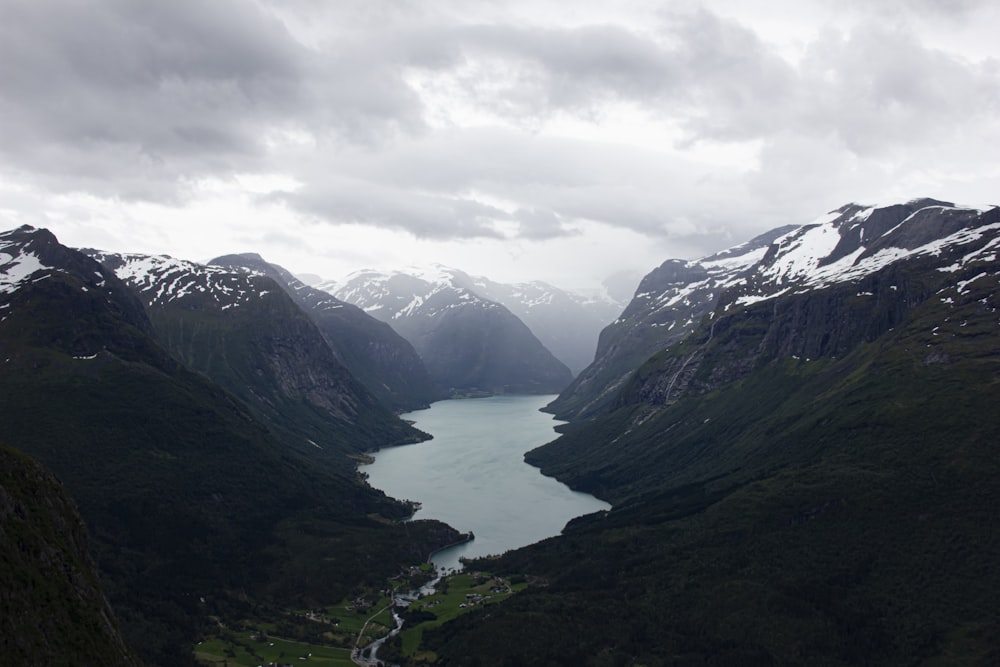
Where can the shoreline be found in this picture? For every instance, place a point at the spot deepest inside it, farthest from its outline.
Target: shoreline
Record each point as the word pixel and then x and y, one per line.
pixel 466 538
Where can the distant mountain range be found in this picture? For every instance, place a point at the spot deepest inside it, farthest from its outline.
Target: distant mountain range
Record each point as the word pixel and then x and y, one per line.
pixel 567 323
pixel 469 343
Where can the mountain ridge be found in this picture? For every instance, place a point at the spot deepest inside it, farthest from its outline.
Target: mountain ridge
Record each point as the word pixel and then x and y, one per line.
pixel 188 495
pixel 808 477
pixel 469 344
pixel 375 354
pixel 243 331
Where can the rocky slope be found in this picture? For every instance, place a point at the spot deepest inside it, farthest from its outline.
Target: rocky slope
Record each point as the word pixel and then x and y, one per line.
pixel 467 342
pixel 821 291
pixel 371 350
pixel 669 302
pixel 825 288
pixel 245 333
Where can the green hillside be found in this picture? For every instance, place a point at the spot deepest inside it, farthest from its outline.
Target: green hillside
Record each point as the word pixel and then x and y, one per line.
pixel 835 510
pixel 45 567
pixel 196 509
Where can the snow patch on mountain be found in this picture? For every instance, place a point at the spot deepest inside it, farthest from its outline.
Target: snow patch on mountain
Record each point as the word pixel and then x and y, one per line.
pixel 800 252
pixel 17 268
pixel 799 261
pixel 567 323
pixel 161 279
pixel 393 295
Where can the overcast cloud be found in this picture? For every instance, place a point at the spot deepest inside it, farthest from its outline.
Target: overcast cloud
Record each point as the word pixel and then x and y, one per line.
pixel 562 141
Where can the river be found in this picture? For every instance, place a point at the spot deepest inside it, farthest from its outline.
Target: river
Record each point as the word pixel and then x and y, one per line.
pixel 472 475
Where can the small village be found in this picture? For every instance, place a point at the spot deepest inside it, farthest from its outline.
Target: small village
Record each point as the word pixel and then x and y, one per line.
pixel 346 633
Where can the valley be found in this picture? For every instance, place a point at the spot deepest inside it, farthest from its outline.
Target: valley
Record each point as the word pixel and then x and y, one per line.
pixel 782 453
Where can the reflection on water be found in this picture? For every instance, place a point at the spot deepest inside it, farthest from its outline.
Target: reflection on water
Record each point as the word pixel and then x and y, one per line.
pixel 472 475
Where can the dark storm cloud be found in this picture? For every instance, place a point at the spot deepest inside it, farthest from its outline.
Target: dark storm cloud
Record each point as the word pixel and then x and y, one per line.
pixel 141 100
pixel 414 185
pixel 132 99
pixel 692 65
pixel 109 93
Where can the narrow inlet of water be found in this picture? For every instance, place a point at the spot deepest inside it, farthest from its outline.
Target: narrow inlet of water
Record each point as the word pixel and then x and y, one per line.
pixel 472 475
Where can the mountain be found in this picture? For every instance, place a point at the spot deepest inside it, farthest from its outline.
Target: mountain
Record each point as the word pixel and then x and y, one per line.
pixel 44 559
pixel 371 350
pixel 566 323
pixel 245 333
pixel 196 507
pixel 468 343
pixel 669 302
pixel 810 476
pixel 820 291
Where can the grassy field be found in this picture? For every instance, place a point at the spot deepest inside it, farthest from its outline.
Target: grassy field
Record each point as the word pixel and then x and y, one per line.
pixel 326 636
pixel 222 652
pixel 452 600
pixel 323 638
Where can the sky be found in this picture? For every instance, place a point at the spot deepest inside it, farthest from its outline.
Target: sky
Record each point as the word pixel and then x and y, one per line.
pixel 558 141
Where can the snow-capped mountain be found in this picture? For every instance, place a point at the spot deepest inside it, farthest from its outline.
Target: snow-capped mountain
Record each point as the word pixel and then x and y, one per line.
pixel 244 332
pixel 668 303
pixel 162 279
pixel 29 255
pixel 832 415
pixel 854 242
pixel 567 323
pixel 380 358
pixel 19 258
pixel 398 295
pixel 35 269
pixel 848 245
pixel 200 437
pixel 468 342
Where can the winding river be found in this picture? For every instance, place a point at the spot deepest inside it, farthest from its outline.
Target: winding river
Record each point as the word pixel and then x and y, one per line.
pixel 472 474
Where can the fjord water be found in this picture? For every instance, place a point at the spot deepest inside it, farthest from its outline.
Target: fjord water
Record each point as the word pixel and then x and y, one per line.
pixel 472 475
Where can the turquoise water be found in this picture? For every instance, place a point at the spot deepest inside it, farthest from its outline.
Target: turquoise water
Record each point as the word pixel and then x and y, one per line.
pixel 472 475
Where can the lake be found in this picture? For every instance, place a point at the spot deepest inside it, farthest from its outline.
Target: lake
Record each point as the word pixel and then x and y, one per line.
pixel 472 475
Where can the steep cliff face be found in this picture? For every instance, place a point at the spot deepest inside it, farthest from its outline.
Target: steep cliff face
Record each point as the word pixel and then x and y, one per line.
pixel 924 271
pixel 669 302
pixel 244 332
pixel 371 350
pixel 826 288
pixel 54 610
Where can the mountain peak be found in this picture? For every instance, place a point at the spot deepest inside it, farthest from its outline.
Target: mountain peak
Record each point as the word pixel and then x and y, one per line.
pixel 847 244
pixel 160 279
pixel 468 341
pixel 378 356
